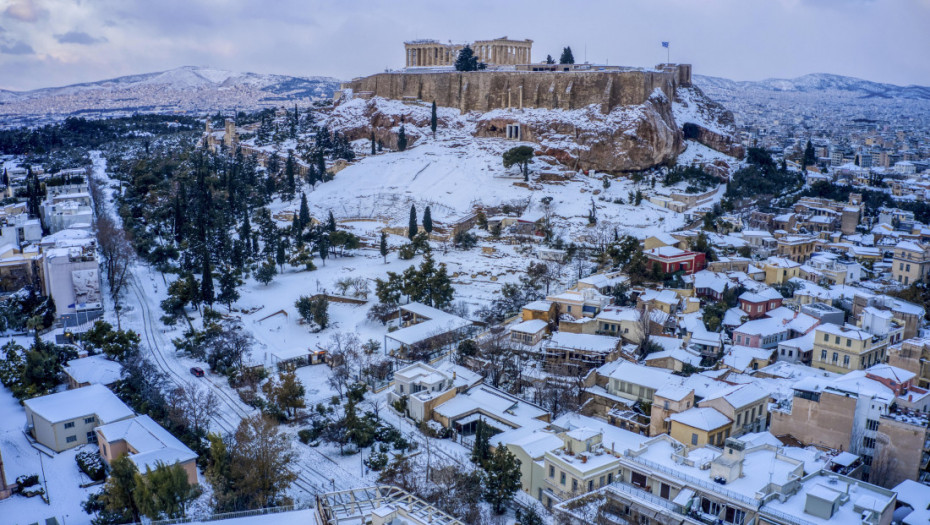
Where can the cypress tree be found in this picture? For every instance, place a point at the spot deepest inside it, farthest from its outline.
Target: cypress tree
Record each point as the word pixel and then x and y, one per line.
pixel 281 255
pixel 432 119
pixel 549 59
pixel 321 167
pixel 401 139
pixel 323 247
pixel 206 282
pixel 331 222
pixel 304 214
pixel 412 225
pixel 567 56
pixel 427 221
pixel 372 142
pixel 383 248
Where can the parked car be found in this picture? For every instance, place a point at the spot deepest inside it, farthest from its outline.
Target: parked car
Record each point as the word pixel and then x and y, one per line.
pixel 197 371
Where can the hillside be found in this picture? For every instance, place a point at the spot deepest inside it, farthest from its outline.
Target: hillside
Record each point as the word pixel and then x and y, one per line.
pixel 817 100
pixel 184 90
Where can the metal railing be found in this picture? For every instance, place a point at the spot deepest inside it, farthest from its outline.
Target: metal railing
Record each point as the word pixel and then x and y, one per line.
pixel 715 488
pixel 228 515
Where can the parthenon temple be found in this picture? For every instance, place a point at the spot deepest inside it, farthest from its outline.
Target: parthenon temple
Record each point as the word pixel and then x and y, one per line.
pixel 498 52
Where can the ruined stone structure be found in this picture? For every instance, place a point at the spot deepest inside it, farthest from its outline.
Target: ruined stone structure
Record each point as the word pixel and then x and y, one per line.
pixel 488 90
pixel 498 52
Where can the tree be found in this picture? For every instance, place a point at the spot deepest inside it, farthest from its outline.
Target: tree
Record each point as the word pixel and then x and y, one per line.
pixel 164 493
pixel 427 221
pixel 412 224
pixel 266 272
pixel 383 246
pixel 372 142
pixel 303 216
pixel 206 282
pixel 287 393
pixel 810 157
pixel 550 60
pixel 481 449
pixel 192 407
pixel 401 139
pixel 322 246
pixel 567 56
pixel 331 222
pixel 229 282
pixel 258 465
pixel 281 255
pixel 314 311
pixel 117 254
pixel 432 119
pixel 502 479
pixel 467 60
pixel 118 495
pixel 520 155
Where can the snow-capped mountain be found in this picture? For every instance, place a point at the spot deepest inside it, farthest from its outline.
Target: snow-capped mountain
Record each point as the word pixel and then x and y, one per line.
pixel 818 82
pixel 189 90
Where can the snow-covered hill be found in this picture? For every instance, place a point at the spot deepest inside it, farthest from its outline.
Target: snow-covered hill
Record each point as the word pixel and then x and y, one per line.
pixel 817 82
pixel 189 89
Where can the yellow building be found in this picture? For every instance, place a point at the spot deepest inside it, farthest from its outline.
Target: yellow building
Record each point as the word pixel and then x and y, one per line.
pixel 697 427
pixel 911 262
pixel 842 349
pixel 779 270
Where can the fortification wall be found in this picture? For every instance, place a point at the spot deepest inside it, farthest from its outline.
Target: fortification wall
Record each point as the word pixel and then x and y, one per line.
pixel 488 90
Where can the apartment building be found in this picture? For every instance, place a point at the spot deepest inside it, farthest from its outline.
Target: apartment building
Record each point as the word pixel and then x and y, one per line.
pixel 842 349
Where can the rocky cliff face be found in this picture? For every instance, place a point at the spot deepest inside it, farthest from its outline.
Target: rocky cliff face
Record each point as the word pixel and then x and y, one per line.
pixel 707 122
pixel 628 138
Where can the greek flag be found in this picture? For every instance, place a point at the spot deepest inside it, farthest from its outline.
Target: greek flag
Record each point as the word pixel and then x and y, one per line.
pixel 664 44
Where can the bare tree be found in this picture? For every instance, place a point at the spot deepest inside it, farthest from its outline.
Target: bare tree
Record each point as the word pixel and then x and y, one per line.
pixel 192 407
pixel 883 471
pixel 344 351
pixel 117 254
pixel 98 196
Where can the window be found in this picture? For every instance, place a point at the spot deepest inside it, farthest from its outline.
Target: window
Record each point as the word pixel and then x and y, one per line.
pixel 823 355
pixel 91 437
pixel 739 419
pixel 665 405
pixel 601 481
pixel 69 424
pixel 561 478
pixel 848 343
pixel 551 471
pixel 694 439
pixel 574 484
pixel 610 478
pixel 70 439
pixel 826 338
pixel 733 515
pixel 590 485
pixel 710 507
pixel 88 420
pixel 846 361
pixel 837 341
pixel 836 357
pixel 871 424
pixel 868 442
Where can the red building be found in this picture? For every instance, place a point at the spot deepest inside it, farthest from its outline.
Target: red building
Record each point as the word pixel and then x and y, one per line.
pixel 757 304
pixel 672 259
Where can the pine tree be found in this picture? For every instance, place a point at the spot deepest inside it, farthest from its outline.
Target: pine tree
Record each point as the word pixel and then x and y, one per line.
pixel 331 222
pixel 266 272
pixel 810 157
pixel 164 492
pixel 372 142
pixel 466 60
pixel 550 60
pixel 412 225
pixel 290 173
pixel 502 479
pixel 229 281
pixel 432 119
pixel 206 281
pixel 427 221
pixel 567 56
pixel 118 494
pixel 401 139
pixel 383 248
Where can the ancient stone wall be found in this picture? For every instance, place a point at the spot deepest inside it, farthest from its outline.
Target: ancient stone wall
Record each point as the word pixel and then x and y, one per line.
pixel 488 90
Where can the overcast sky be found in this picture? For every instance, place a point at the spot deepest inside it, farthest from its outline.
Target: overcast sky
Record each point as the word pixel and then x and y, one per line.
pixel 56 42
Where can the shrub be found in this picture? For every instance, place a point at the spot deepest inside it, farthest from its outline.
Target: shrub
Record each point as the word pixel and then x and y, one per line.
pixel 304 435
pixel 91 464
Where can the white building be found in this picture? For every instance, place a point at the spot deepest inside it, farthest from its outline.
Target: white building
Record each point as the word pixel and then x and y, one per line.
pixel 67 419
pixel 72 279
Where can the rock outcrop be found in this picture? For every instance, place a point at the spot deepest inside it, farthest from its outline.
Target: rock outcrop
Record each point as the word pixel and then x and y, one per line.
pixel 628 138
pixel 707 122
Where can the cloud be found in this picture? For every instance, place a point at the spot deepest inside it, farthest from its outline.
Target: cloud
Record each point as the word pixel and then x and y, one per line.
pixel 24 11
pixel 17 48
pixel 78 37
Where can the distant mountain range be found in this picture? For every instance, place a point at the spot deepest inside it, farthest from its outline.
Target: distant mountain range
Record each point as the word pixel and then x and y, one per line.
pixel 817 82
pixel 185 90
